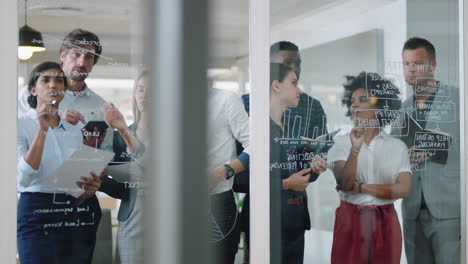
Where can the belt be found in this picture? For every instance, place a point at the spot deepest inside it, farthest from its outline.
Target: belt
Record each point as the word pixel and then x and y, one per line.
pixel 299 200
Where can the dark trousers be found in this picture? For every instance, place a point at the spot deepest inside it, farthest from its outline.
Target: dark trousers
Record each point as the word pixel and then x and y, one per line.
pixel 292 239
pixel 224 231
pixel 52 229
pixel 292 247
pixel 43 251
pixel 292 244
pixel 430 240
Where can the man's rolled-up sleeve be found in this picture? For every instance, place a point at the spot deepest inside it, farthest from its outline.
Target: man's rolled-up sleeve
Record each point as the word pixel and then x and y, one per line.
pixel 238 121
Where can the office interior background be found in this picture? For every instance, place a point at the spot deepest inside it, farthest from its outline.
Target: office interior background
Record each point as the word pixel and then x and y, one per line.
pixel 335 38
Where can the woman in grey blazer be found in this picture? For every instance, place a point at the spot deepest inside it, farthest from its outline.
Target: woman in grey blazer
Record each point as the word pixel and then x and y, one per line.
pixel 129 145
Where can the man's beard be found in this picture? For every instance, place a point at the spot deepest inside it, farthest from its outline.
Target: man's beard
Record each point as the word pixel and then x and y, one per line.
pixel 78 77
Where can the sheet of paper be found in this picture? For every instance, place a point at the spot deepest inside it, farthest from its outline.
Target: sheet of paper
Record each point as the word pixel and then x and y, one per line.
pixel 81 163
pixel 125 172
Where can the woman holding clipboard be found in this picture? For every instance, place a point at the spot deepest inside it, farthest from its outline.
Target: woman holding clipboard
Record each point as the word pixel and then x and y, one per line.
pixel 53 227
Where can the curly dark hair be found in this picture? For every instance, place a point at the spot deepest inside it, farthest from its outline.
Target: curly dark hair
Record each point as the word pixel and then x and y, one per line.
pixel 382 89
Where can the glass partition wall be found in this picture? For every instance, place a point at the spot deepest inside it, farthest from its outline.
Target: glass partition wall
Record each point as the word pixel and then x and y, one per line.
pixel 355 132
pixel 82 129
pixel 365 131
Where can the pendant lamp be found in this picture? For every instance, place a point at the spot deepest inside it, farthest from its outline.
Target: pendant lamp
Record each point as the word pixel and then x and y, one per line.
pixel 30 40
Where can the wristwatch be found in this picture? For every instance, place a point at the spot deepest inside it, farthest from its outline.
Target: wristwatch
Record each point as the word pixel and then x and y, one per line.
pixel 229 171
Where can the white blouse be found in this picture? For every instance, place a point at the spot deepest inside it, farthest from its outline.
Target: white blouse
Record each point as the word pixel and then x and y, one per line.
pixel 380 162
pixel 61 142
pixel 87 102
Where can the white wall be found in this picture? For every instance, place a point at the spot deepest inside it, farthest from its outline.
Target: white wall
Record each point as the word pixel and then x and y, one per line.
pixel 8 75
pixel 349 18
pixel 437 21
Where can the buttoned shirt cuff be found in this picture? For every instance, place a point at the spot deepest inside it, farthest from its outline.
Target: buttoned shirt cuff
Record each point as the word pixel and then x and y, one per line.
pixel 244 159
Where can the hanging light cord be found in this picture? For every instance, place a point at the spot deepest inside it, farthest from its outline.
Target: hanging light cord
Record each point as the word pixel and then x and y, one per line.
pixel 25 12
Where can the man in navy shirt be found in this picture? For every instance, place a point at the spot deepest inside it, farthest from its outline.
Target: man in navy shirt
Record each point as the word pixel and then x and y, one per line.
pixel 307 119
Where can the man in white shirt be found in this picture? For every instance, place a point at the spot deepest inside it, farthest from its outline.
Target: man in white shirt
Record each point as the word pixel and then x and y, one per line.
pixel 227 122
pixel 79 53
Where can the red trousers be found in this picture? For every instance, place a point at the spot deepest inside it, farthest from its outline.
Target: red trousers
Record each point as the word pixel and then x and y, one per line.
pixel 369 234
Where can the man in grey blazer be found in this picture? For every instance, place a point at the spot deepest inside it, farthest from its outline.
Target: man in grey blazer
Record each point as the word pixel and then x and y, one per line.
pixel 431 213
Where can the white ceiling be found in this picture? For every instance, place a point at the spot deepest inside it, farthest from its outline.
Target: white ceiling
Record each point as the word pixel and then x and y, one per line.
pixel 230 24
pixel 115 21
pixel 109 19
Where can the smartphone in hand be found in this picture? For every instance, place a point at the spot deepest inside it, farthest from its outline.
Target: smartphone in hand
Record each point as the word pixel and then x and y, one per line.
pixel 89 128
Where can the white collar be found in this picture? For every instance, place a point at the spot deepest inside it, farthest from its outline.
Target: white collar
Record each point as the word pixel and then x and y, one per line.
pixel 85 92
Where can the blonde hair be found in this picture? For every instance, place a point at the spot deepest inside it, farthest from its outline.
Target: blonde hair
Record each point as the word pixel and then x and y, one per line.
pixel 135 110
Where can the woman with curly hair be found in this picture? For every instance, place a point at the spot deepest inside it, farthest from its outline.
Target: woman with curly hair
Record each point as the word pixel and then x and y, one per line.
pixel 372 170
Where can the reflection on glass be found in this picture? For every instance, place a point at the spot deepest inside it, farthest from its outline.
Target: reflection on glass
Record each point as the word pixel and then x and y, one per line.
pixel 227 122
pixel 54 224
pixel 421 60
pixel 66 140
pixel 127 182
pixel 292 164
pixel 296 134
pixel 432 135
pixel 368 181
pixel 58 221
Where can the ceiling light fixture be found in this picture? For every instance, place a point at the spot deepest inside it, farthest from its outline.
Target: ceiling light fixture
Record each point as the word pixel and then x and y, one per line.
pixel 30 40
